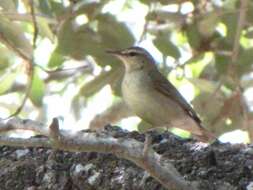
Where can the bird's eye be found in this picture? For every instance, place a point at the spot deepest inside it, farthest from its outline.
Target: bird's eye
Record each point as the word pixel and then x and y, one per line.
pixel 132 54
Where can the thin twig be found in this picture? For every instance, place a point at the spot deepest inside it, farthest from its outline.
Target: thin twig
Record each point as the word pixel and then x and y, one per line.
pixel 144 32
pixel 57 74
pixel 234 59
pixel 62 69
pixel 212 95
pixel 16 50
pixel 35 25
pixel 245 110
pixel 145 28
pixel 241 23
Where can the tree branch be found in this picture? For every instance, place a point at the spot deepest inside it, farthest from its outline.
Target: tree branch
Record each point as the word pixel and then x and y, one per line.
pixel 129 149
pixel 240 25
pixel 35 24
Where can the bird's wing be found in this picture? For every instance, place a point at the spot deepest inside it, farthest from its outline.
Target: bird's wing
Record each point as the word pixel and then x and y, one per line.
pixel 165 87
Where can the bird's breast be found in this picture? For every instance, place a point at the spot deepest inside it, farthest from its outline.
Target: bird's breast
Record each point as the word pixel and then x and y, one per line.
pixel 135 88
pixel 141 97
pixel 148 103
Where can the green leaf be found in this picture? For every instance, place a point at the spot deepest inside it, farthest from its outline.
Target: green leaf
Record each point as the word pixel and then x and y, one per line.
pixel 230 20
pixel 93 86
pixel 218 109
pixel 193 36
pixel 144 126
pixel 6 81
pixel 207 25
pixel 102 58
pixel 180 132
pixel 249 34
pixel 56 59
pixel 146 1
pixel 44 28
pixel 163 2
pixel 13 35
pixel 114 34
pixel 204 85
pixel 250 12
pixel 196 64
pixel 166 47
pixel 90 9
pixel 222 62
pixel 209 72
pixel 242 66
pixel 44 7
pixel 245 61
pixel 8 5
pixel 6 59
pixel 77 41
pixel 171 17
pixel 116 82
pixel 37 89
pixel 211 104
pixel 57 8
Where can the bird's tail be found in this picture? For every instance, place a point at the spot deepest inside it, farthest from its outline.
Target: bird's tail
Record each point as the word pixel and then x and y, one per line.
pixel 196 128
pixel 205 136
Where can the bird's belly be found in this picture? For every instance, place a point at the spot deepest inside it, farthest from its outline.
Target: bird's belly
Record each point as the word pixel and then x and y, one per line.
pixel 151 106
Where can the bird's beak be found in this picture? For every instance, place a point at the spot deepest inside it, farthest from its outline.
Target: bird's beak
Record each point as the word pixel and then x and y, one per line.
pixel 115 52
pixel 118 54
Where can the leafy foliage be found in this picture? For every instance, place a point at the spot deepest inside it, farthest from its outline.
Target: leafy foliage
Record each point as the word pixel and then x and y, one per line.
pixel 199 37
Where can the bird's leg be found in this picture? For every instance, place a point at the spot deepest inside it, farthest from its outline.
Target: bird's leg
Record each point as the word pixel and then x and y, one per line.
pixel 147 143
pixel 148 138
pixel 168 127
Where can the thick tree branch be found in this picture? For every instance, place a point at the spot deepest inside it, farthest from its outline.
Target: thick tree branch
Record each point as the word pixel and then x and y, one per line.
pixel 129 149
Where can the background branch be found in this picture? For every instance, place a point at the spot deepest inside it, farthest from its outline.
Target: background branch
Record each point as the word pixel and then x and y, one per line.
pixel 35 25
pixel 113 114
pixel 240 25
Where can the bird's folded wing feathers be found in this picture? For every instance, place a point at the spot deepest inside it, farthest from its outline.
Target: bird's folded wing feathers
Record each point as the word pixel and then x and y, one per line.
pixel 166 88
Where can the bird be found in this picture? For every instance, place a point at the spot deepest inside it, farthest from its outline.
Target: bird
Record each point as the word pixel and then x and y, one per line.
pixel 153 98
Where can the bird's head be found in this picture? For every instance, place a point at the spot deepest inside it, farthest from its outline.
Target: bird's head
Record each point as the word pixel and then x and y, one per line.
pixel 134 58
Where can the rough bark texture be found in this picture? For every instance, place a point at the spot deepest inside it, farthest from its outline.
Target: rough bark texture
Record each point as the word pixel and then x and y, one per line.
pixel 215 167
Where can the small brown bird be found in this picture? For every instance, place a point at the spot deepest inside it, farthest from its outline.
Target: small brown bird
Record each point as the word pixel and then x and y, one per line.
pixel 153 98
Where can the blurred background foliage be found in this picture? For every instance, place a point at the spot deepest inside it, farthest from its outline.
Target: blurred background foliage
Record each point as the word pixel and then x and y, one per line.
pixel 53 60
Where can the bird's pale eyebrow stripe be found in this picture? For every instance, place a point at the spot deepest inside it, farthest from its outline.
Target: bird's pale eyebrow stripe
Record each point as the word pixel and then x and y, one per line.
pixel 128 51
